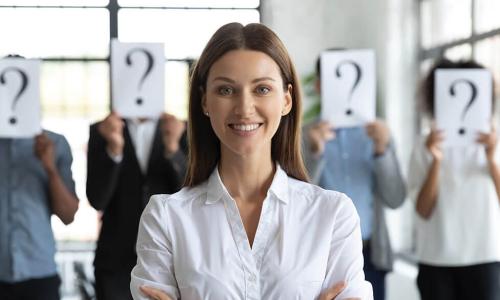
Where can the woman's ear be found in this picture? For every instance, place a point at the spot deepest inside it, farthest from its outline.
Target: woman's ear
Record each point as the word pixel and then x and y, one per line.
pixel 287 107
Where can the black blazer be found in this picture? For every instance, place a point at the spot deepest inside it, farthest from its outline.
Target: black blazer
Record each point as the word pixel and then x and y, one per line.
pixel 121 191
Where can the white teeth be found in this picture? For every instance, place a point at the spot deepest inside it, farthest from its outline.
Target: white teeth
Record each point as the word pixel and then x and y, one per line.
pixel 244 127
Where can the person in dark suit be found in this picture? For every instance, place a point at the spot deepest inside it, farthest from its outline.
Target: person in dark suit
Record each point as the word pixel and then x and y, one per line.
pixel 128 161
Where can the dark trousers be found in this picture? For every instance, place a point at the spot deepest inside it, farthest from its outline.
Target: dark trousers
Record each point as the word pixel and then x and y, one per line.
pixel 112 285
pixel 375 276
pixel 459 283
pixel 46 288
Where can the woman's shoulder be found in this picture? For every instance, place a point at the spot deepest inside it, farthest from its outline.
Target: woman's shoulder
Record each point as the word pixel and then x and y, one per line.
pixel 318 196
pixel 184 196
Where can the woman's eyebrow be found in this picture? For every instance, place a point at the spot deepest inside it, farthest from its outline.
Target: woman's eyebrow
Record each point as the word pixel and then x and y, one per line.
pixel 263 79
pixel 222 78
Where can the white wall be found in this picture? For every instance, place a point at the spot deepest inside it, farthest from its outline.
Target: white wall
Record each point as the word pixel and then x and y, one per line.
pixel 389 27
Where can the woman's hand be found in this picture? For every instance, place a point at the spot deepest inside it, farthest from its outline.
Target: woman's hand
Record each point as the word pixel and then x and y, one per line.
pixel 154 294
pixel 334 291
pixel 489 140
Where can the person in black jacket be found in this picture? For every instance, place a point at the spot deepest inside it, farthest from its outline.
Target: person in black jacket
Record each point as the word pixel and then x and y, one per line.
pixel 128 161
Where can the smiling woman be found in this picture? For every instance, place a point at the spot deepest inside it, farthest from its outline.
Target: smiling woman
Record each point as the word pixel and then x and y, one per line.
pixel 247 225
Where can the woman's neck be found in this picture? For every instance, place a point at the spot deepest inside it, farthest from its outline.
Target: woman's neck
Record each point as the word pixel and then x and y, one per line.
pixel 247 180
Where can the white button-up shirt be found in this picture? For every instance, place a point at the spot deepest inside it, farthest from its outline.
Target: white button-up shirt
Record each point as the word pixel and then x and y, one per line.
pixel 193 244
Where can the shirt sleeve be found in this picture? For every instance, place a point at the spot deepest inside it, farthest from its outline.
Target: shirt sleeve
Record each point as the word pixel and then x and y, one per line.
pixel 116 158
pixel 345 260
pixel 389 184
pixel 64 161
pixel 154 266
pixel 417 171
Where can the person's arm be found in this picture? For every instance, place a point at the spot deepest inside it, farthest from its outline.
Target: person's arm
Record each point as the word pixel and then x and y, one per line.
pixel 314 138
pixel 345 260
pixel 427 196
pixel 105 144
pixel 171 130
pixel 173 135
pixel 56 160
pixel 489 140
pixel 155 267
pixel 330 294
pixel 389 185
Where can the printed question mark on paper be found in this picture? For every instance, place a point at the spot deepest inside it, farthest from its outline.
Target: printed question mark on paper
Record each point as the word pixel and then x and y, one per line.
pixel 22 89
pixel 357 68
pixel 473 96
pixel 150 63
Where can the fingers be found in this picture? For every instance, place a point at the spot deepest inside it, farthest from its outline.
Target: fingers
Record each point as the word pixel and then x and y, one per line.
pixel 487 139
pixel 483 138
pixel 377 129
pixel 171 125
pixel 333 292
pixel 434 139
pixel 154 294
pixel 323 131
pixel 324 125
pixel 111 129
pixel 113 123
pixel 436 135
pixel 42 141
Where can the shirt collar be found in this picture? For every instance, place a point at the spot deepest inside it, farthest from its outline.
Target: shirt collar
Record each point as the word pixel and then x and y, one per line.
pixel 216 189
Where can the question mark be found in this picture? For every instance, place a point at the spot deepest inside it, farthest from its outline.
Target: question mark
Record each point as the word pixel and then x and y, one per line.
pixel 149 67
pixel 356 82
pixel 473 89
pixel 24 84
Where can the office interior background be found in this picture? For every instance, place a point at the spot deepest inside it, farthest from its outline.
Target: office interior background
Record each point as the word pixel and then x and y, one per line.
pixel 72 39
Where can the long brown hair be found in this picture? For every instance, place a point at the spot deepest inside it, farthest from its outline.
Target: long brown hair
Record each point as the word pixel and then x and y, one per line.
pixel 204 146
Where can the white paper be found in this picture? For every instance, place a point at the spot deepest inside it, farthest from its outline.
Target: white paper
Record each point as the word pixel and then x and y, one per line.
pixel 463 104
pixel 19 98
pixel 348 87
pixel 138 79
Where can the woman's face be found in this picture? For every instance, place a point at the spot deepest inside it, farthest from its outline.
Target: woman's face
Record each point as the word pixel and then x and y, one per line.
pixel 245 100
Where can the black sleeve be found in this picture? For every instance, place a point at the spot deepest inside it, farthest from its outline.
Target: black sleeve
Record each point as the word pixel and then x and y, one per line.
pixel 102 171
pixel 176 165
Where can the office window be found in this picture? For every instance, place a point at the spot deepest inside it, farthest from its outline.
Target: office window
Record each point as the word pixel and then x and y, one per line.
pixel 54 2
pixel 184 31
pixel 487 52
pixel 443 21
pixel 486 15
pixel 55 32
pixel 461 29
pixel 74 89
pixel 191 3
pixel 461 52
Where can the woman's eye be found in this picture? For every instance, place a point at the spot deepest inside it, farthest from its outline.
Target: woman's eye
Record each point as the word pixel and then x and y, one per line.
pixel 263 90
pixel 225 91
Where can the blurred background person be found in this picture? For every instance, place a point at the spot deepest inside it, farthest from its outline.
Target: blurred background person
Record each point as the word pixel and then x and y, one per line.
pixel 360 162
pixel 128 161
pixel 456 192
pixel 36 183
